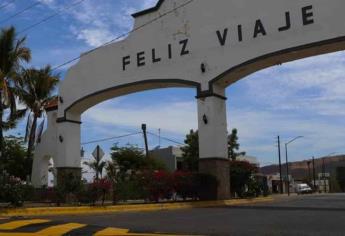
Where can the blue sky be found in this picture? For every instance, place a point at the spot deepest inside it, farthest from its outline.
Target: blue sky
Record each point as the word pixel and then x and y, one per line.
pixel 305 97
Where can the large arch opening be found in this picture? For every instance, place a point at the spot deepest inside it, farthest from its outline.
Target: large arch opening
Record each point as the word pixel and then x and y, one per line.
pixel 300 98
pixel 169 114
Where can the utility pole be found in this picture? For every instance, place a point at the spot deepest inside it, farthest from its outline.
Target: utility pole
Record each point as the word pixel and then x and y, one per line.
pixel 314 176
pixel 309 177
pixel 143 127
pixel 324 174
pixel 159 137
pixel 287 169
pixel 280 167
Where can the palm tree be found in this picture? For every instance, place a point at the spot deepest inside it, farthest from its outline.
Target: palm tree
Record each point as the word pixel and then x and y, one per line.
pixel 12 54
pixel 35 89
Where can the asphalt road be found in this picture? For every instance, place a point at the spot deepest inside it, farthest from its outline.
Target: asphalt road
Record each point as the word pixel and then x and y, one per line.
pixel 297 215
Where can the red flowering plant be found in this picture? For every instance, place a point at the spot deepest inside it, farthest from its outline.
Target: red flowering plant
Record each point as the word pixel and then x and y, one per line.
pixel 159 185
pixel 97 189
pixel 183 184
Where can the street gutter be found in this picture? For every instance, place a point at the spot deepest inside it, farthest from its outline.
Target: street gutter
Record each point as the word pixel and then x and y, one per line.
pixel 88 210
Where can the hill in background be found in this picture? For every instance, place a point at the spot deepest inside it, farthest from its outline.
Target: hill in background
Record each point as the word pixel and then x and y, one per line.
pixel 299 170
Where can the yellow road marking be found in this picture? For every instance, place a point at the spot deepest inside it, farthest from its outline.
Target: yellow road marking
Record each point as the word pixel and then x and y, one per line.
pixel 20 223
pixel 118 231
pixel 112 231
pixel 60 229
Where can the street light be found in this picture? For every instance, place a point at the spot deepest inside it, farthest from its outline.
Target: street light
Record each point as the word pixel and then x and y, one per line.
pixel 287 162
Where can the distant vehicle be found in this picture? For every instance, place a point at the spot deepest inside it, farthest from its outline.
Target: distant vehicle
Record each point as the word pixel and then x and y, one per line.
pixel 303 189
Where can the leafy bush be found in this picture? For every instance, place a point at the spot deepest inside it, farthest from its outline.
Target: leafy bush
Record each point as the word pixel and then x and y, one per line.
pixel 205 186
pixel 241 174
pixel 131 189
pixel 91 193
pixel 14 191
pixel 14 160
pixel 68 191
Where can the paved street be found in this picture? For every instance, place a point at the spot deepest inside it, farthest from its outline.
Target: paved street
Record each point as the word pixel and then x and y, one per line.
pixel 297 215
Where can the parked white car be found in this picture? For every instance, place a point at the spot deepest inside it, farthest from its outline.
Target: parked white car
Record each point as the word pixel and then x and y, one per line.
pixel 303 189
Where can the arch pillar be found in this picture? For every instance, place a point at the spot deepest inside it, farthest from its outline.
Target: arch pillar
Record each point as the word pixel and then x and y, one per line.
pixel 68 163
pixel 213 149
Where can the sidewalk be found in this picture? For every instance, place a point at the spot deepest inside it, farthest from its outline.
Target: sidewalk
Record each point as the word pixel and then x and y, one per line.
pixel 87 210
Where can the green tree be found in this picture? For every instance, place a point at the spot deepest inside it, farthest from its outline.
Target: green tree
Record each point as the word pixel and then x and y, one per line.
pixel 241 176
pixel 131 159
pixel 35 89
pixel 234 146
pixel 14 160
pixel 190 151
pixel 97 165
pixel 124 169
pixel 12 54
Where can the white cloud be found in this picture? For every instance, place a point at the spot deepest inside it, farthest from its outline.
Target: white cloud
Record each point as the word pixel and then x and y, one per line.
pixel 99 23
pixel 94 37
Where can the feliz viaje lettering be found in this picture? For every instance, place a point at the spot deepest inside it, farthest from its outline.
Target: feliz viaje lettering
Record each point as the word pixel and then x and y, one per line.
pixel 142 58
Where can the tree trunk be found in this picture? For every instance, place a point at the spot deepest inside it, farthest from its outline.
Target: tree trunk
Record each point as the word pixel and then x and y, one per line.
pixel 1 128
pixel 32 137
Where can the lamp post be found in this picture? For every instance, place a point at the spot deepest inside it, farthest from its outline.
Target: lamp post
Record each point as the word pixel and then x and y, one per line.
pixel 287 161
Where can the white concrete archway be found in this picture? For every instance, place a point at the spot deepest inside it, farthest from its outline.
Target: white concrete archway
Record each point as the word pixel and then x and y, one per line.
pixel 196 43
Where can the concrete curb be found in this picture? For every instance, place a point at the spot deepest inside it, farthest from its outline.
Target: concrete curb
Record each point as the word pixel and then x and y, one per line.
pixel 87 210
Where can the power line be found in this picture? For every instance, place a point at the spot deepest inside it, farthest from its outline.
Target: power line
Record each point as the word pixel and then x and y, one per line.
pixel 168 139
pixel 50 17
pixel 124 34
pixel 111 138
pixel 20 12
pixel 6 4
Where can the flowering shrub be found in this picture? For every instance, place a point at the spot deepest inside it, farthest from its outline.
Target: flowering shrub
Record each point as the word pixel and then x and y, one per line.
pixel 102 187
pixel 91 193
pixel 183 184
pixel 161 186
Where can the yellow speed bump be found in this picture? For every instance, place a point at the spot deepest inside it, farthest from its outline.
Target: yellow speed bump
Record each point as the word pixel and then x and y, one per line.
pixel 112 231
pixel 60 229
pixel 21 223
